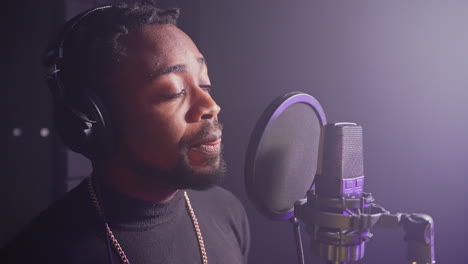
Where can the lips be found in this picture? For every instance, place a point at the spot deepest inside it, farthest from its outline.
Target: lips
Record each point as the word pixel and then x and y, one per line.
pixel 209 146
pixel 205 149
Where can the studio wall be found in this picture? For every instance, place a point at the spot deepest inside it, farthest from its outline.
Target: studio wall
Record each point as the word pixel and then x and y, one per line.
pixel 33 159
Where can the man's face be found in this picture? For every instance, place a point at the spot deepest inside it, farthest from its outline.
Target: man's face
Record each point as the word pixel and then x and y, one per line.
pixel 165 117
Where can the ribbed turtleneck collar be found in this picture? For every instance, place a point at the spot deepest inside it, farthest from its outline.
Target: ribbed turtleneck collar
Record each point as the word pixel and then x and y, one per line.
pixel 124 212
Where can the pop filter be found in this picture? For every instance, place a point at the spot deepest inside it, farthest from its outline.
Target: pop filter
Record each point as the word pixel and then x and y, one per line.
pixel 282 154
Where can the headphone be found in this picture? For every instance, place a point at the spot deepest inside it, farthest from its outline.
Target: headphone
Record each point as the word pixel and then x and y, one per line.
pixel 80 118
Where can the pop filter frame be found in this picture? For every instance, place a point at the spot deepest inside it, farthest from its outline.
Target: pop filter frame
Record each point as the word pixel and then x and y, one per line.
pixel 266 121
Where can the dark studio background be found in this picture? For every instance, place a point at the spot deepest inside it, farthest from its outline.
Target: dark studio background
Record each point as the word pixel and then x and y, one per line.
pixel 398 68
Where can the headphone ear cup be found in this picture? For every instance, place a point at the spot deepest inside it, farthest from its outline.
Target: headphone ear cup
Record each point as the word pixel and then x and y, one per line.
pixel 74 131
pixel 83 126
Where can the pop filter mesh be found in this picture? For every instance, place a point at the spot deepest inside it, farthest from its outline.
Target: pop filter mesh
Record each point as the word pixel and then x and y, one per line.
pixel 286 158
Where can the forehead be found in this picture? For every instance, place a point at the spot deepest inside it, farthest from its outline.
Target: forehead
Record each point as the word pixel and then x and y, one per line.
pixel 159 45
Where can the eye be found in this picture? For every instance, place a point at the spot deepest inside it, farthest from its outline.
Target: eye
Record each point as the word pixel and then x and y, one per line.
pixel 207 87
pixel 176 95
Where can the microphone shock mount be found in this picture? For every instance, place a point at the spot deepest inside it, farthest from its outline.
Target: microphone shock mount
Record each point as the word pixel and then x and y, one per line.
pixel 340 227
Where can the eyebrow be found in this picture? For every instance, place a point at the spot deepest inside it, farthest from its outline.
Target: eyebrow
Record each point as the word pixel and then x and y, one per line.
pixel 175 68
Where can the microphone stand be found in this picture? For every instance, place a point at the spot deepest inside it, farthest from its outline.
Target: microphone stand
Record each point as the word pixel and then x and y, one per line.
pixel 340 227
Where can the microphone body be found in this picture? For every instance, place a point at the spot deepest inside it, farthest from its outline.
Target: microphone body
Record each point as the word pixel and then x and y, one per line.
pixel 340 171
pixel 338 199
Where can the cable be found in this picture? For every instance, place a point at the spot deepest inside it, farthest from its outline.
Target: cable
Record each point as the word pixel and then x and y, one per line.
pixel 298 238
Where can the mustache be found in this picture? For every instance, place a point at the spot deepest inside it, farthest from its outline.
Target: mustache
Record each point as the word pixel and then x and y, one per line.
pixel 210 130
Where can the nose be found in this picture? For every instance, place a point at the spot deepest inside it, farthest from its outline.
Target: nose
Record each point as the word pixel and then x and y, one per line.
pixel 203 106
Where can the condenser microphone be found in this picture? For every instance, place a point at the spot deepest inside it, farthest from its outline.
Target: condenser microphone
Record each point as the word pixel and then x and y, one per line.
pixel 340 170
pixel 332 208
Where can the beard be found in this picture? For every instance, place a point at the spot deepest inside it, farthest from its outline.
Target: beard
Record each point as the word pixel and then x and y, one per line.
pixel 184 175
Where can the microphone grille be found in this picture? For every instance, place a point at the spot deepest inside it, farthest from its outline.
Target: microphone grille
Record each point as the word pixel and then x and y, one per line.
pixel 341 158
pixel 352 152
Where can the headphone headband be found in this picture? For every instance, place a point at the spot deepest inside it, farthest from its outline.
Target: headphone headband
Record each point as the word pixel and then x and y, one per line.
pixel 55 51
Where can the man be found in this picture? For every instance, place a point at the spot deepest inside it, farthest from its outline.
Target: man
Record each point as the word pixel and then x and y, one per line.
pixel 132 93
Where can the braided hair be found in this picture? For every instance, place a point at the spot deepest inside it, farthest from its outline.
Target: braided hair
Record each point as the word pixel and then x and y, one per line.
pixel 94 47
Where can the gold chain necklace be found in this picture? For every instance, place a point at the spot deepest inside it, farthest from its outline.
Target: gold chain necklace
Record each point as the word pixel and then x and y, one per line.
pixel 116 244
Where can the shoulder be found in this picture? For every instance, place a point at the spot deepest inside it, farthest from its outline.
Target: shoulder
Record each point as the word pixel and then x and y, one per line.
pixel 46 235
pixel 65 213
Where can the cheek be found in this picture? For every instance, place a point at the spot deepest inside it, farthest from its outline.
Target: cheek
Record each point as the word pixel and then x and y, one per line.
pixel 155 135
pixel 167 132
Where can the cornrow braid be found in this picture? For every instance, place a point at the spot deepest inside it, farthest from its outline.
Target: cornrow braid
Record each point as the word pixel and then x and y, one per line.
pixel 94 47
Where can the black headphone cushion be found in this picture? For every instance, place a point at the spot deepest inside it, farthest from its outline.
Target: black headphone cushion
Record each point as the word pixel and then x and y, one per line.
pixel 83 126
